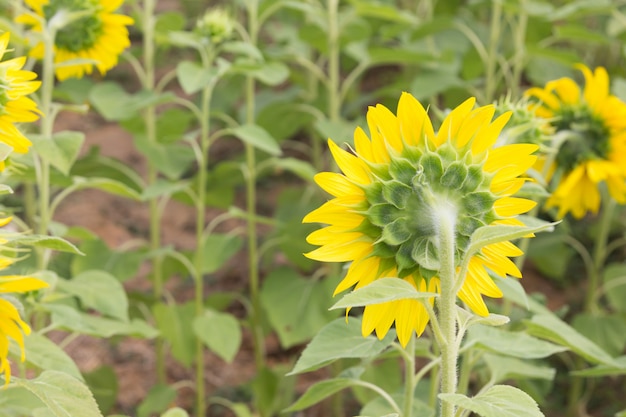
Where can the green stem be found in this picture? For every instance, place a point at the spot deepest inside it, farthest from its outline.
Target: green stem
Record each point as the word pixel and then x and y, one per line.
pixel 251 227
pixel 410 377
pixel 492 58
pixel 599 254
pixel 520 50
pixel 333 61
pixel 149 82
pixel 446 220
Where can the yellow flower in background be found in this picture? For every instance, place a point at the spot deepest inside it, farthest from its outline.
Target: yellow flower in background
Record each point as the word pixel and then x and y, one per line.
pixel 392 187
pixel 11 324
pixel 96 35
pixel 15 107
pixel 594 149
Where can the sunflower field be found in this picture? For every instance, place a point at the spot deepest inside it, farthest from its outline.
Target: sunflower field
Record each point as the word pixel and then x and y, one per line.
pixel 302 208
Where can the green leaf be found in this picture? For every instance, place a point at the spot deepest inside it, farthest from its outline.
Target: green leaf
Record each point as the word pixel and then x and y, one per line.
pixel 549 327
pixel 16 401
pixel 63 394
pixel 608 331
pixel 320 391
pixel 158 399
pixel 488 235
pixel 48 242
pixel 173 160
pixel 301 168
pixel 220 332
pixel 61 151
pixel 217 250
pixel 269 73
pixel 108 185
pixel 497 401
pixel 618 368
pixel 100 291
pixel 296 307
pixel 44 354
pixel 381 291
pixel 114 103
pixel 615 286
pixel 193 77
pixel 503 368
pixel 380 407
pixel 175 324
pixel 123 264
pixel 162 188
pixel 517 344
pixel 102 382
pixel 339 339
pixel 257 137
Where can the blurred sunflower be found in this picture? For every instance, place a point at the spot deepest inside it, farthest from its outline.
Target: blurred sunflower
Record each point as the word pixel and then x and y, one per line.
pixel 594 150
pixel 11 324
pixel 15 106
pixel 396 183
pixel 94 35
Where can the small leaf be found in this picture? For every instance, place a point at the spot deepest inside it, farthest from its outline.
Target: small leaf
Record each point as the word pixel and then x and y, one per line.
pixel 339 339
pixel 257 137
pixel 108 185
pixel 175 324
pixel 319 391
pixel 114 103
pixel 616 369
pixel 269 73
pixel 220 332
pixel 219 249
pixel 615 286
pixel 193 77
pixel 175 412
pixel 518 344
pixel 380 291
pixel 162 188
pixel 158 399
pixel 63 394
pixel 61 151
pixel 497 401
pixel 503 368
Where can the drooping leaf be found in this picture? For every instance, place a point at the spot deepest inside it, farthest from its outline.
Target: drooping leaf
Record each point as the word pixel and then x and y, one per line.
pixel 61 151
pixel 339 339
pixel 517 344
pixel 175 324
pixel 257 137
pixel 48 242
pixel 193 77
pixel 114 103
pixel 219 249
pixel 320 391
pixel 497 401
pixel 62 394
pixel 503 368
pixel 44 354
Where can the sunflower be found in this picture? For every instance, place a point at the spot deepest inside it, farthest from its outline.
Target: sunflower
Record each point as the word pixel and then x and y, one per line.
pixel 393 185
pixel 11 324
pixel 593 123
pixel 15 106
pixel 94 36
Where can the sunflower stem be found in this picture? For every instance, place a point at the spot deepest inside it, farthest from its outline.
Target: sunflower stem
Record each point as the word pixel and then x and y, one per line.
pixel 599 254
pixel 251 227
pixel 445 218
pixel 410 377
pixel 492 58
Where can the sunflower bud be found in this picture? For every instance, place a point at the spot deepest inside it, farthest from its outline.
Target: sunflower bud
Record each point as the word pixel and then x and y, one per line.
pixel 216 25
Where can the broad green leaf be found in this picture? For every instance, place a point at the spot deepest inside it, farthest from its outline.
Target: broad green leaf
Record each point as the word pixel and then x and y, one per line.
pixel 578 8
pixel 123 264
pixel 549 327
pixel 63 394
pixel 220 332
pixel 193 77
pixel 158 400
pixel 615 286
pixel 175 323
pixel 497 401
pixel 48 242
pixel 185 39
pixel 100 291
pixel 517 344
pixel 503 368
pixel 219 249
pixel 61 151
pixel 17 401
pixel 301 168
pixel 44 354
pixel 320 391
pixel 380 10
pixel 175 412
pixel 616 369
pixel 281 118
pixel 488 235
pixel 243 48
pixel 257 137
pixel 607 331
pixel 173 160
pixel 339 339
pixel 551 255
pixel 430 83
pixel 108 185
pixel 381 291
pixel 297 308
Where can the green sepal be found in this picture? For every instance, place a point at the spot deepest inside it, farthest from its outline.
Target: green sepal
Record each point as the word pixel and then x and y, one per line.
pixel 477 203
pixel 474 178
pixel 397 193
pixel 454 176
pixel 402 170
pixel 426 254
pixel 433 169
pixel 382 214
pixel 396 232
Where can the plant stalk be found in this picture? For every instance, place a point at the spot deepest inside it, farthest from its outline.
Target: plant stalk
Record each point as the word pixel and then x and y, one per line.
pixel 409 378
pixel 492 58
